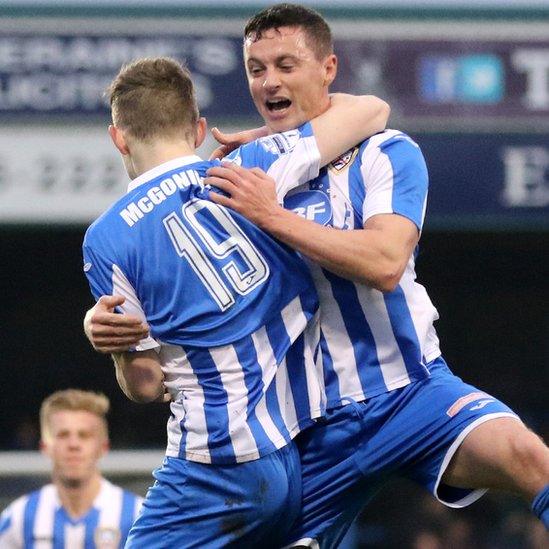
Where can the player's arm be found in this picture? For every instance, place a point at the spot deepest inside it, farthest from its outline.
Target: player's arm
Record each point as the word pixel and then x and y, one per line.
pixel 375 255
pixel 139 375
pixel 111 332
pixel 107 330
pixel 349 120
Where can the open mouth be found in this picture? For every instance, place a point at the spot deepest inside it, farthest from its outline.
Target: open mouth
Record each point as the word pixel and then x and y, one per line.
pixel 277 104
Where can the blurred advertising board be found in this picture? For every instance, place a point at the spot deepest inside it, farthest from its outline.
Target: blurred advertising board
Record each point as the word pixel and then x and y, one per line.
pixel 57 74
pixel 487 180
pixel 453 81
pixel 436 82
pixel 477 181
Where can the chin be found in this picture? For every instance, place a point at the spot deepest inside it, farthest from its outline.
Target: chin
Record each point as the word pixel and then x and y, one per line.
pixel 284 125
pixel 72 481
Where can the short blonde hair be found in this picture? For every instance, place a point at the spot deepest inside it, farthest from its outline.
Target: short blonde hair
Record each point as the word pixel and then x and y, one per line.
pixel 152 97
pixel 74 400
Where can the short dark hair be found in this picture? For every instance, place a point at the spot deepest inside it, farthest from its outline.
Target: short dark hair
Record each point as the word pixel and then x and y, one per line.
pixel 291 15
pixel 152 97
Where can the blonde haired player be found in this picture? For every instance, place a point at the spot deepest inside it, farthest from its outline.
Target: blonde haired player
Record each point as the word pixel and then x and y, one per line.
pixel 80 508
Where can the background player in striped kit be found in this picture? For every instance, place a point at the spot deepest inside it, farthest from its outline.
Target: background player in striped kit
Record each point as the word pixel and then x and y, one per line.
pixel 232 313
pixel 80 509
pixel 380 349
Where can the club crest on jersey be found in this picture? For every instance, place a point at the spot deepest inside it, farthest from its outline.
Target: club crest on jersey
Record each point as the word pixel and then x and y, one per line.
pixel 344 161
pixel 280 143
pixel 106 538
pixel 312 205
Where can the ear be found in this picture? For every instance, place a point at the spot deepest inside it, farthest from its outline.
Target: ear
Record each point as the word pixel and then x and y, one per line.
pixel 330 69
pixel 44 448
pixel 105 447
pixel 117 137
pixel 201 129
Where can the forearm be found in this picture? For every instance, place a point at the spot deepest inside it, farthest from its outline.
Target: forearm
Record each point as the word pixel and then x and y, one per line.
pixel 349 120
pixel 360 255
pixel 139 377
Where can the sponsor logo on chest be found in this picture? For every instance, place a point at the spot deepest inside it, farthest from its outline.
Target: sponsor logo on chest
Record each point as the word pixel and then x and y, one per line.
pixel 311 204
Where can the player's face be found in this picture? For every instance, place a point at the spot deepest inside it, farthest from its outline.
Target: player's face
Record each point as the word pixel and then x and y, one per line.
pixel 75 443
pixel 289 85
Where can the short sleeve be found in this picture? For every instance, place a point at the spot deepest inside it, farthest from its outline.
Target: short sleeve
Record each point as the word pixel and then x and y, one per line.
pixel 291 158
pixel 11 525
pixel 395 179
pixel 107 278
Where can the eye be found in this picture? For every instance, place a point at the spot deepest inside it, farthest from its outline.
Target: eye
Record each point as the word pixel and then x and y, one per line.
pixel 255 71
pixel 286 68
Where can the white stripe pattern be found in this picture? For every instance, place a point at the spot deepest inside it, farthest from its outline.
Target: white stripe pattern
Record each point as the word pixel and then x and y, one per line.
pixel 367 187
pixel 188 433
pixel 132 306
pixel 45 514
pixel 187 405
pixel 108 503
pixel 232 377
pixel 291 170
pixel 390 359
pixel 339 343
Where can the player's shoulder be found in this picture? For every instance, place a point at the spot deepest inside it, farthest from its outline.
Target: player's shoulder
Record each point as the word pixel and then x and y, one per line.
pixel 17 506
pixel 110 219
pixel 12 507
pixel 393 145
pixel 111 490
pixel 271 146
pixel 388 139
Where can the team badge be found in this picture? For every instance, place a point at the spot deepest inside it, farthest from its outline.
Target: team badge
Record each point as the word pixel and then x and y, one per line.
pixel 106 538
pixel 342 162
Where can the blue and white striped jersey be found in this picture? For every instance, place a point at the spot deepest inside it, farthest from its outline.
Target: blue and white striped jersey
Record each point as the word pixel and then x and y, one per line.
pixel 371 342
pixel 225 302
pixel 38 521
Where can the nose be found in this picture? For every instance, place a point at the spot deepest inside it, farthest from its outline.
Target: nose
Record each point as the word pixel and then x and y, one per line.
pixel 74 441
pixel 271 81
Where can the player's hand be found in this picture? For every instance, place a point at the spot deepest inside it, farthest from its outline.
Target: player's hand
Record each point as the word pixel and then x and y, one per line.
pixel 251 192
pixel 231 141
pixel 111 332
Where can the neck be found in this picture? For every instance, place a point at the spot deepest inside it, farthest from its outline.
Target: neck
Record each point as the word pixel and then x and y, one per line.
pixel 78 497
pixel 145 156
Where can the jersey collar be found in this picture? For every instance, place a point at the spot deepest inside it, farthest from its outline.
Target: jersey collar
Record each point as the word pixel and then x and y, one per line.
pixel 163 168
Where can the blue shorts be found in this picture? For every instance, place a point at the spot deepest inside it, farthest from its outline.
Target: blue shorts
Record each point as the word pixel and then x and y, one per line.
pixel 411 432
pixel 251 504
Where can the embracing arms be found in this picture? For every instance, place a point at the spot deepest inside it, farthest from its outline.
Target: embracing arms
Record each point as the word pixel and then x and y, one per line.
pixel 375 255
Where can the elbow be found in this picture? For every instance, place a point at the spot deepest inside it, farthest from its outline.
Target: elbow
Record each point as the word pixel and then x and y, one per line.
pixel 141 380
pixel 387 279
pixel 145 394
pixel 381 114
pixel 387 284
